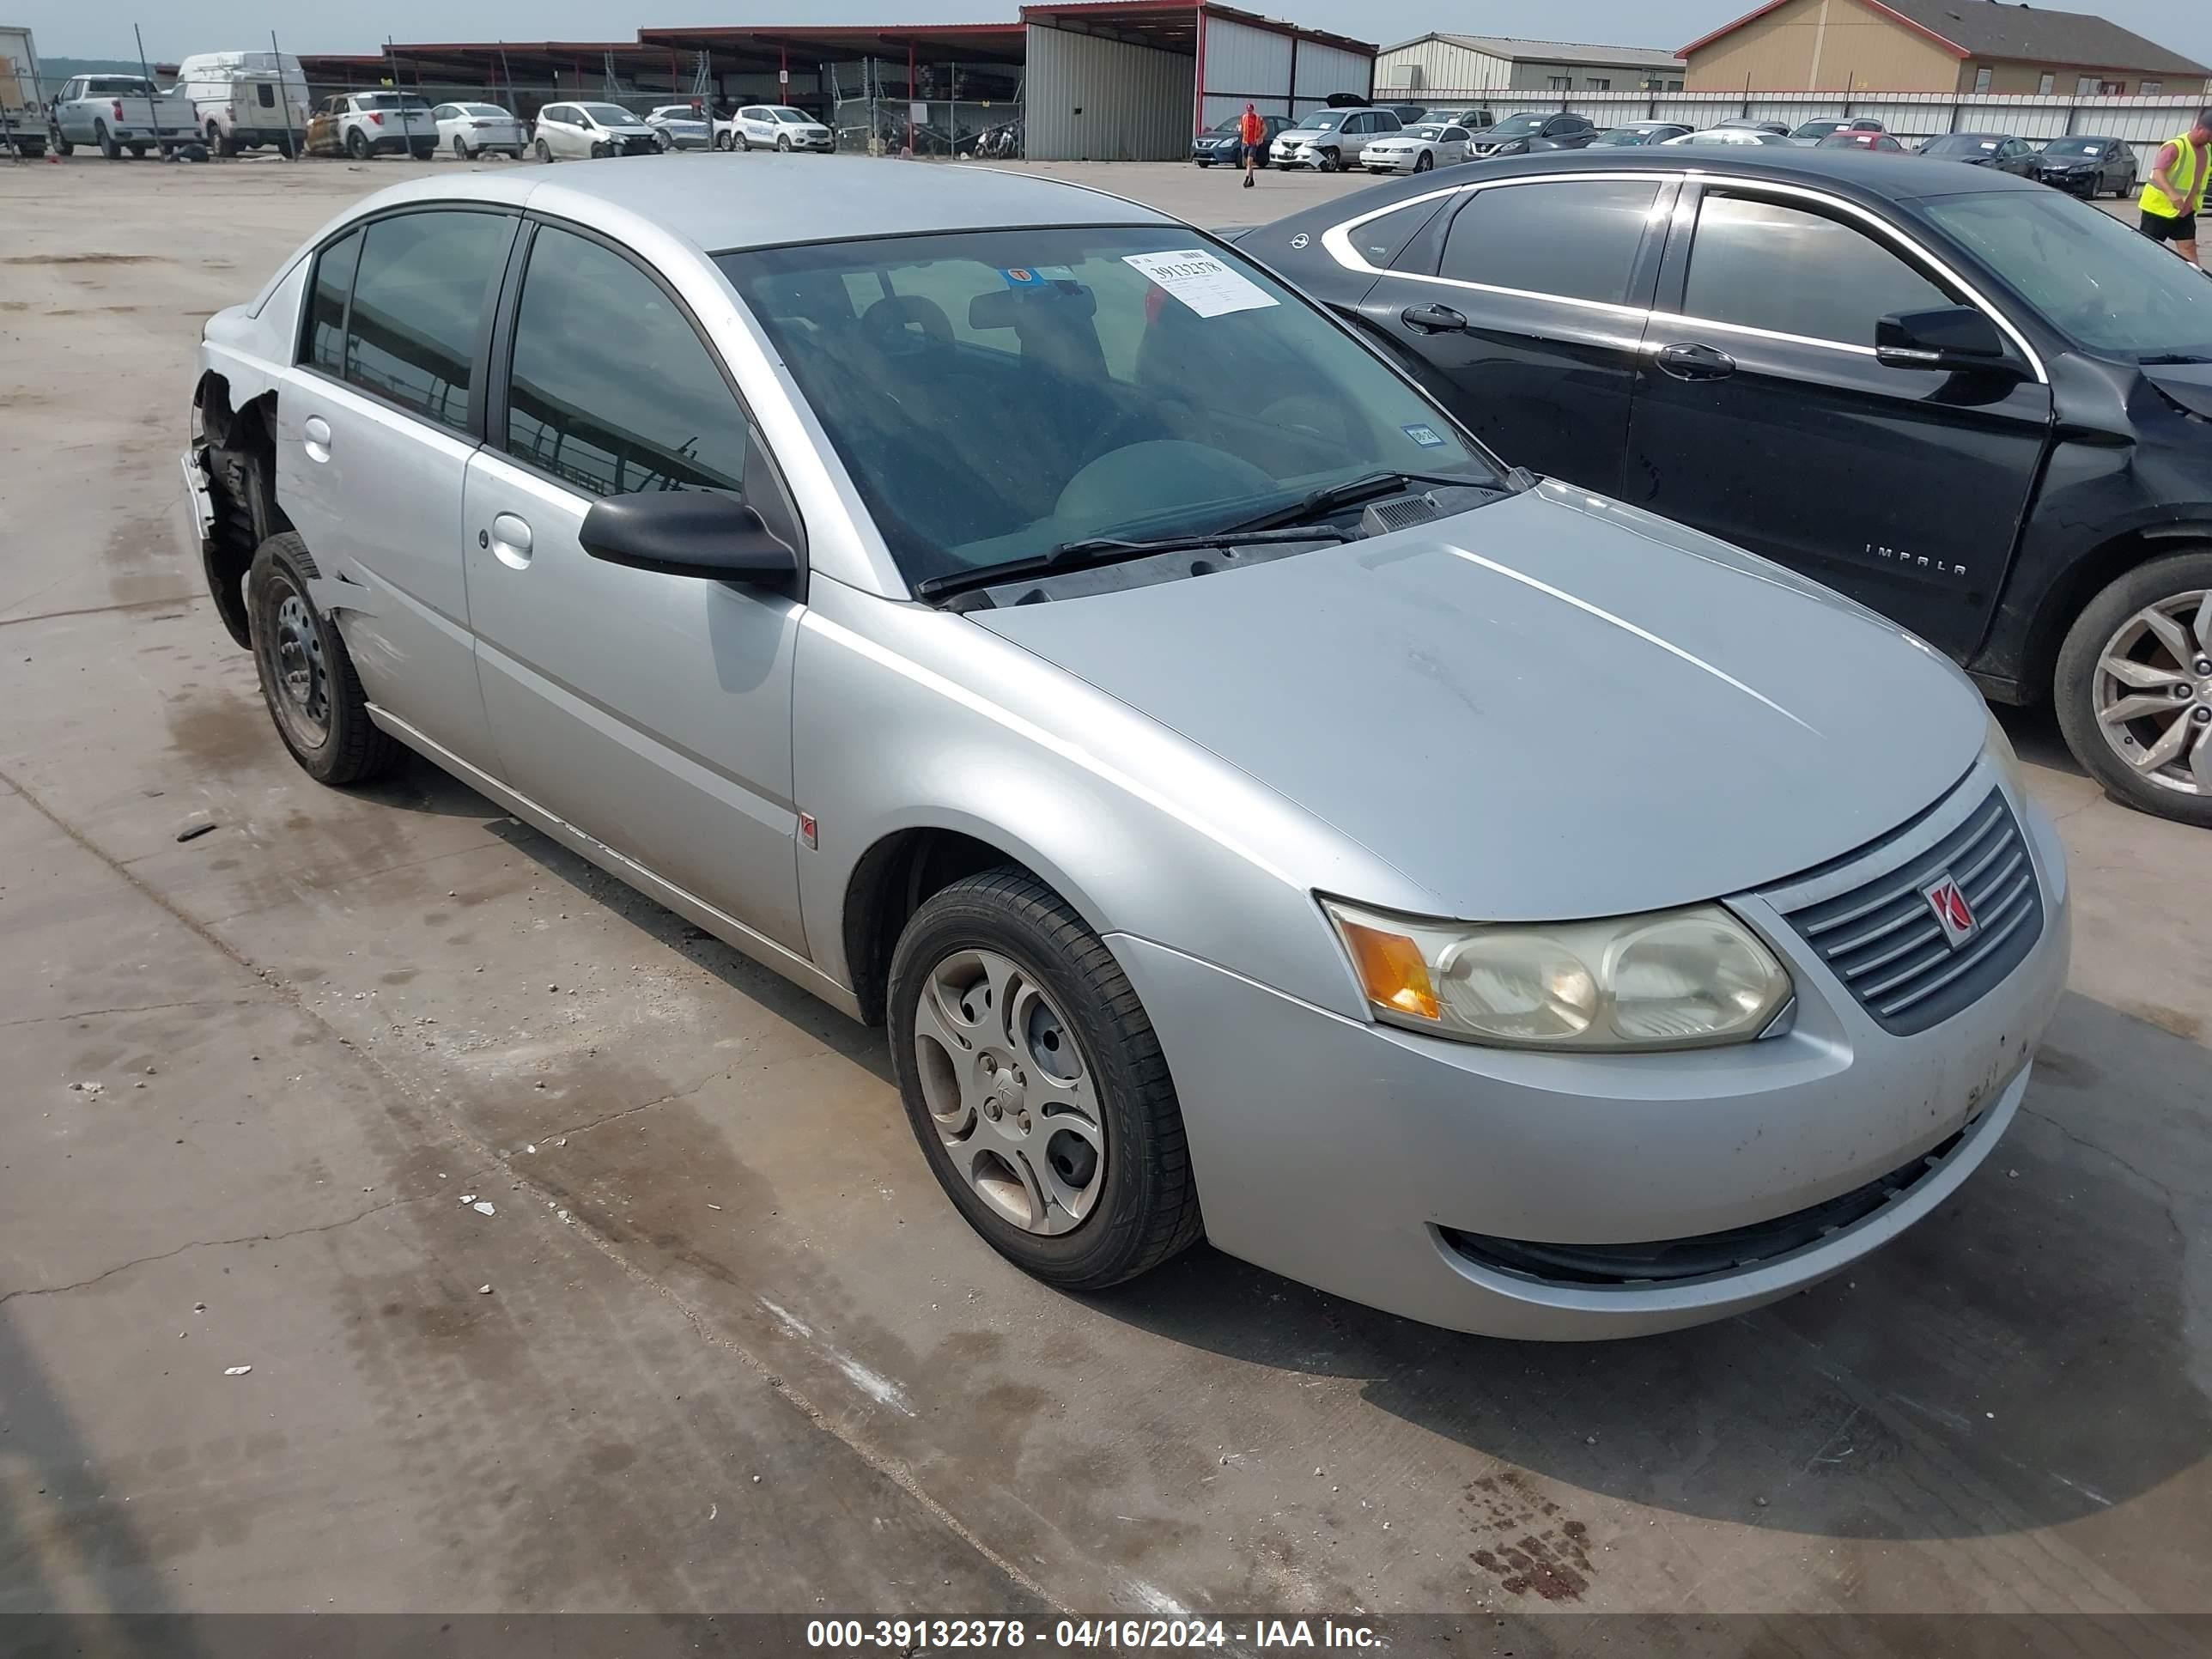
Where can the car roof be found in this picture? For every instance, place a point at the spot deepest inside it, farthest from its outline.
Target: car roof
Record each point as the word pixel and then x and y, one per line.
pixel 775 201
pixel 1891 177
pixel 1939 137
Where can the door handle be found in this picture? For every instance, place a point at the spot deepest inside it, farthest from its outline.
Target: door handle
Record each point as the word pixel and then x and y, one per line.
pixel 1432 319
pixel 1695 363
pixel 315 438
pixel 510 540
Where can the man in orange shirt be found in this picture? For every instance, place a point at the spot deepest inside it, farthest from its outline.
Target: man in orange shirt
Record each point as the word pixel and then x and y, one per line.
pixel 1251 132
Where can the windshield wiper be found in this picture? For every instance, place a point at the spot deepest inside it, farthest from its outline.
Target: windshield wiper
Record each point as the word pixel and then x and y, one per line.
pixel 1092 550
pixel 1366 488
pixel 2168 359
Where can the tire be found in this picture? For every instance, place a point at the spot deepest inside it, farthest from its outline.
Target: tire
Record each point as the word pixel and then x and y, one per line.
pixel 544 152
pixel 1139 1204
pixel 460 148
pixel 1424 161
pixel 108 147
pixel 745 143
pixel 1329 162
pixel 62 147
pixel 292 639
pixel 356 145
pixel 599 150
pixel 138 151
pixel 782 145
pixel 217 142
pixel 2110 623
pixel 722 141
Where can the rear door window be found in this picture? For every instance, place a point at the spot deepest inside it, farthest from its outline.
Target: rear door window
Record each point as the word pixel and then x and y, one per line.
pixel 418 304
pixel 1574 239
pixel 327 305
pixel 1762 265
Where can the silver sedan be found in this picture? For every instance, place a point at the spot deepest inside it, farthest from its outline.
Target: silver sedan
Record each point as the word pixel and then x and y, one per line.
pixel 1258 812
pixel 1417 149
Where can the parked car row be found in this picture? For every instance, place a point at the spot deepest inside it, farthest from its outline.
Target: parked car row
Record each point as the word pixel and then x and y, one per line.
pixel 1976 407
pixel 1258 809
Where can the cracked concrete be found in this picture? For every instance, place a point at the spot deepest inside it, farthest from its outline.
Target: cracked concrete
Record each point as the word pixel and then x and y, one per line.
pixel 342 999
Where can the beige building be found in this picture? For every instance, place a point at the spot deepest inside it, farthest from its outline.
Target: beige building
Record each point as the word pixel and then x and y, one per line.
pixel 1934 45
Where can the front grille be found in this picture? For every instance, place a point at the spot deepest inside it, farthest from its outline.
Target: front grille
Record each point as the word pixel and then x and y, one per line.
pixel 1666 1260
pixel 1883 940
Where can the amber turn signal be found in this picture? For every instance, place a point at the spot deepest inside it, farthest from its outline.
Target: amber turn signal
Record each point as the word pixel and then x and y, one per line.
pixel 1391 969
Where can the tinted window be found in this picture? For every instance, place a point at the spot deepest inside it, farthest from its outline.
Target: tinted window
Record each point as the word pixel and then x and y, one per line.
pixel 326 307
pixel 1382 239
pixel 417 304
pixel 1763 265
pixel 1578 239
pixel 612 390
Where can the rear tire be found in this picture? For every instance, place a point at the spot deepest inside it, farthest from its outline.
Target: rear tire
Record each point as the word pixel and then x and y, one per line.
pixel 356 145
pixel 460 148
pixel 218 143
pixel 1125 1200
pixel 2083 689
pixel 544 152
pixel 105 140
pixel 307 680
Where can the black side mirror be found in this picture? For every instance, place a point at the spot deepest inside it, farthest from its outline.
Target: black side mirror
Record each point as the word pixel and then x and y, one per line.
pixel 690 532
pixel 1941 337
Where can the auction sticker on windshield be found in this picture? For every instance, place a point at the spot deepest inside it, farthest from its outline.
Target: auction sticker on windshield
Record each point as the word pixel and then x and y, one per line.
pixel 1200 281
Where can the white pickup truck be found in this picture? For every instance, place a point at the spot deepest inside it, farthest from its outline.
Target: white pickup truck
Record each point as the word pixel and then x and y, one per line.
pixel 120 112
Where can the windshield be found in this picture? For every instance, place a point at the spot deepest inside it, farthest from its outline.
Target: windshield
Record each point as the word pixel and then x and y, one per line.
pixel 109 85
pixel 1230 124
pixel 1325 120
pixel 1960 143
pixel 609 115
pixel 2095 278
pixel 2094 147
pixel 1631 135
pixel 677 112
pixel 1517 126
pixel 1113 380
pixel 790 116
pixel 1428 129
pixel 1815 128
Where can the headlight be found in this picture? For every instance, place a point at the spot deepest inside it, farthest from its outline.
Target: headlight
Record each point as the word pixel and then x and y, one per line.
pixel 1670 979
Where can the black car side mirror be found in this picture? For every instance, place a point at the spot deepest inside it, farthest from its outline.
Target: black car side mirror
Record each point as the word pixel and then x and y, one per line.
pixel 1941 337
pixel 690 532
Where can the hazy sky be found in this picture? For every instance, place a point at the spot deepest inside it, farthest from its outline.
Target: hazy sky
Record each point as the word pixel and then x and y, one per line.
pixel 102 29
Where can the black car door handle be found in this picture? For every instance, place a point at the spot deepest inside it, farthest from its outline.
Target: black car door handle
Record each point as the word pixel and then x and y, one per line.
pixel 1695 363
pixel 1432 319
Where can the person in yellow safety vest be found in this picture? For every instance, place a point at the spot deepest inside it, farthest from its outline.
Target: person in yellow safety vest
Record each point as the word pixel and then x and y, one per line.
pixel 2175 190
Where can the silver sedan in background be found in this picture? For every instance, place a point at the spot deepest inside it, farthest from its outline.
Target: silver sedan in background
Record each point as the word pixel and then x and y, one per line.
pixel 1418 149
pixel 1258 812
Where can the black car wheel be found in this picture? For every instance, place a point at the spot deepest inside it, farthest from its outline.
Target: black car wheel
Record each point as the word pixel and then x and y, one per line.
pixel 308 678
pixel 544 152
pixel 2134 686
pixel 1329 162
pixel 1424 161
pixel 782 144
pixel 105 140
pixel 357 145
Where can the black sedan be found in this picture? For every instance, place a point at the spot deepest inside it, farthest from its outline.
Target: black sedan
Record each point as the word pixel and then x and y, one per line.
pixel 2000 150
pixel 2089 167
pixel 1914 384
pixel 1516 135
pixel 1220 143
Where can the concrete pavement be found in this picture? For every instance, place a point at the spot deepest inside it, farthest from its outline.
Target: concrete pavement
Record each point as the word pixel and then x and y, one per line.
pixel 715 1252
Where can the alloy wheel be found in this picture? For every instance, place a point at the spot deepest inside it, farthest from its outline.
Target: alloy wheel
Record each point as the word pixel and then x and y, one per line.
pixel 1013 1104
pixel 2153 693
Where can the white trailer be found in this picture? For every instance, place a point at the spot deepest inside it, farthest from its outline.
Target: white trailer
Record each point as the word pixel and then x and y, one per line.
pixel 245 100
pixel 22 96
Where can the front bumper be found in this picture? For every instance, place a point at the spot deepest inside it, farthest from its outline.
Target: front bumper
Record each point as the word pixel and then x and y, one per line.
pixel 1348 1154
pixel 2083 184
pixel 1304 156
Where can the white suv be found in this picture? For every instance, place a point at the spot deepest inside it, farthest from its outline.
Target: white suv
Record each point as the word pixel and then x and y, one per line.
pixel 778 127
pixel 1331 139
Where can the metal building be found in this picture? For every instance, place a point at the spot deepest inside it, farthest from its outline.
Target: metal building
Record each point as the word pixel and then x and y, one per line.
pixel 1132 80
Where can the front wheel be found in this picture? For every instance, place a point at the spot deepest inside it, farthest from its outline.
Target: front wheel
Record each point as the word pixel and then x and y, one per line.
pixel 2134 688
pixel 308 678
pixel 1036 1086
pixel 782 144
pixel 1424 161
pixel 1330 161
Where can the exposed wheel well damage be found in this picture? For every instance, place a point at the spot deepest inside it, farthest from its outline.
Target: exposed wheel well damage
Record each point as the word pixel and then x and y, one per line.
pixel 2082 582
pixel 240 452
pixel 890 884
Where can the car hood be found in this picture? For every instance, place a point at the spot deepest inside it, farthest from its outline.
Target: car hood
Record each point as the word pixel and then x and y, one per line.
pixel 1552 707
pixel 2188 385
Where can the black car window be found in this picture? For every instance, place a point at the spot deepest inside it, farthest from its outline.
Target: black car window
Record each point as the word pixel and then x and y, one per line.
pixel 1577 238
pixel 1761 265
pixel 1382 239
pixel 325 343
pixel 418 302
pixel 611 389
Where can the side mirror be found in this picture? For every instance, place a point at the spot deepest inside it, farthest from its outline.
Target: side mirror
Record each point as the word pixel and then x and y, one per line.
pixel 1941 337
pixel 690 532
